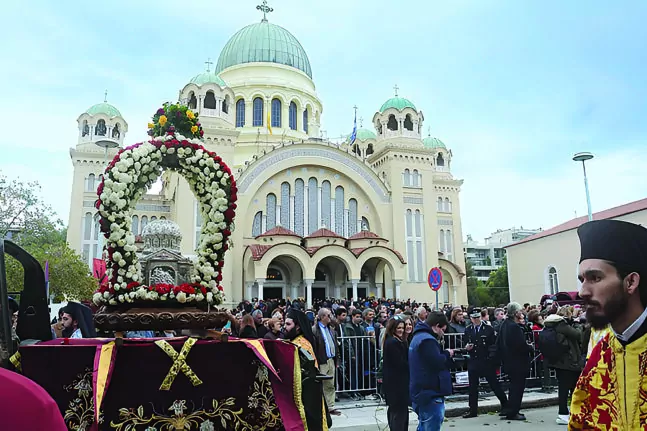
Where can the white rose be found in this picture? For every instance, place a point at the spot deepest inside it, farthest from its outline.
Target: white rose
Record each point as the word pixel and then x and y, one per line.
pixel 121 298
pixel 106 294
pixel 209 297
pixel 97 298
pixel 199 297
pixel 120 279
pixel 181 297
pixel 112 302
pixel 219 174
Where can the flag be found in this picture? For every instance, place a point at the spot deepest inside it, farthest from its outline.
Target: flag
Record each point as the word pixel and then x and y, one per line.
pixel 99 269
pixel 353 135
pixel 269 122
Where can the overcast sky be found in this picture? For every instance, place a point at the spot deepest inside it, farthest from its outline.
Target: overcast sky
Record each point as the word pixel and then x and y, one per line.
pixel 513 88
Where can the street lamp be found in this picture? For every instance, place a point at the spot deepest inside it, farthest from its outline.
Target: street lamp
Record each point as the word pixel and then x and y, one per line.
pixel 583 157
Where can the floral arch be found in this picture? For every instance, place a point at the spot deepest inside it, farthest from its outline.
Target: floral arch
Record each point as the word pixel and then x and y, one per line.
pixel 126 179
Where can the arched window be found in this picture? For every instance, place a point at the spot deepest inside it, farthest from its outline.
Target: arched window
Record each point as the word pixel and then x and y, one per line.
pixel 365 224
pixel 95 229
pixel 393 123
pixel 87 227
pixel 240 113
pixel 257 225
pixel 100 130
pixel 258 112
pixel 440 204
pixel 441 241
pixel 276 113
pixel 448 205
pixel 419 244
pixel 209 100
pixel 86 128
pixel 305 120
pixel 273 274
pixel 313 205
pixel 193 101
pixel 270 210
pixel 440 161
pixel 408 124
pixel 411 265
pixel 293 116
pixel 144 222
pixel 415 179
pixel 116 133
pixel 356 149
pixel 135 225
pixel 352 217
pixel 553 282
pixel 153 219
pixel 449 245
pixel 326 190
pixel 90 184
pixel 339 210
pixel 299 206
pixel 369 149
pixel 407 178
pixel 162 218
pixel 225 105
pixel 285 205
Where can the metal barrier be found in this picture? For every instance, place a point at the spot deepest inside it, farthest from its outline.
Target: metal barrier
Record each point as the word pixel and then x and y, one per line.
pixel 360 359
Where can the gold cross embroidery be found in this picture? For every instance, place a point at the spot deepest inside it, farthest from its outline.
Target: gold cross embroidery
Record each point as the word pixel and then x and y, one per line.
pixel 179 363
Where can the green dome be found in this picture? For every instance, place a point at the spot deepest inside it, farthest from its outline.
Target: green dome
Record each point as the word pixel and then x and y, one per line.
pixel 398 103
pixel 104 108
pixel 264 42
pixel 430 142
pixel 208 78
pixel 365 134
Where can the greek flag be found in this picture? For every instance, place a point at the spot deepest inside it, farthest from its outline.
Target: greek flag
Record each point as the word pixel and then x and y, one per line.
pixel 353 135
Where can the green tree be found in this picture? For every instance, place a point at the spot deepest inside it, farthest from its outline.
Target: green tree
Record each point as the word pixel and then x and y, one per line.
pixel 499 278
pixel 490 293
pixel 40 233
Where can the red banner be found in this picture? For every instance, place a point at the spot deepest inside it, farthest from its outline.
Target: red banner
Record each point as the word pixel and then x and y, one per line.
pixel 98 269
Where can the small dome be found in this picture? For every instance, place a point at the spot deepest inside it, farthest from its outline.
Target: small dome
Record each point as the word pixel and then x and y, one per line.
pixel 398 103
pixel 431 142
pixel 264 42
pixel 365 135
pixel 104 108
pixel 208 78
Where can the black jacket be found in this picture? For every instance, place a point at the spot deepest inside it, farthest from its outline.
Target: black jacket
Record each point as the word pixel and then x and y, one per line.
pixel 572 359
pixel 484 343
pixel 513 348
pixel 320 344
pixel 395 369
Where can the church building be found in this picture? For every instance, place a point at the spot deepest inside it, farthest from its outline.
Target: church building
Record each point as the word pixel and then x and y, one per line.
pixel 369 216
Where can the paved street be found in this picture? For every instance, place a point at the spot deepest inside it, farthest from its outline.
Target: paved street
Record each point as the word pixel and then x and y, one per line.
pixel 537 419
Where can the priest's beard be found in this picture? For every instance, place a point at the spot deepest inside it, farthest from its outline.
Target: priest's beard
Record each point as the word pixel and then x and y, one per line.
pixel 67 332
pixel 292 334
pixel 600 316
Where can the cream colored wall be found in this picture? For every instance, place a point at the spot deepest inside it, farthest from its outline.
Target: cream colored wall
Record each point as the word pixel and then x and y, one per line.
pixel 528 263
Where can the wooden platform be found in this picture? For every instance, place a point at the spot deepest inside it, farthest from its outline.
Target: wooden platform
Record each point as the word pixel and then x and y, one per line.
pixel 157 318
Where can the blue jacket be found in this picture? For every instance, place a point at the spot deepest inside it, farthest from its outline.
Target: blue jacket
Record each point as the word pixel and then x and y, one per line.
pixel 428 367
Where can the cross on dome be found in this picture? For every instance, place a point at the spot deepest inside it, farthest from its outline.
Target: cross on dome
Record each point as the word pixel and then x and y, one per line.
pixel 361 122
pixel 209 63
pixel 396 88
pixel 265 9
pixel 105 97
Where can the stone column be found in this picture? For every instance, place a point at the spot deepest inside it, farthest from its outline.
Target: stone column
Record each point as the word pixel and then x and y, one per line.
pixel 355 281
pixel 337 291
pixel 309 292
pixel 295 291
pixel 260 287
pixel 248 291
pixel 397 288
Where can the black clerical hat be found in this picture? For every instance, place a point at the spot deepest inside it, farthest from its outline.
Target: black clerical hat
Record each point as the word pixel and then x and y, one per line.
pixel 620 242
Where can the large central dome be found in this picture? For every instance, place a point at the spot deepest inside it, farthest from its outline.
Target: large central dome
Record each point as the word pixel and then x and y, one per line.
pixel 264 42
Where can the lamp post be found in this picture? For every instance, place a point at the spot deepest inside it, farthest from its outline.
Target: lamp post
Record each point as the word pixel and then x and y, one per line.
pixel 583 157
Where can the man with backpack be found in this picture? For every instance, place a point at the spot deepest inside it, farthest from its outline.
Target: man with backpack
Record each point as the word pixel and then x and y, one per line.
pixel 560 343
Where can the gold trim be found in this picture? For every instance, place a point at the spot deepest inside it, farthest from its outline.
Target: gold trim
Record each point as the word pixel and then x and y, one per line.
pixel 179 363
pixel 15 361
pixel 297 389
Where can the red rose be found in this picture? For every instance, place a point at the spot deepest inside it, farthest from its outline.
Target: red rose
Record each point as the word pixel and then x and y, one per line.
pixel 229 214
pixel 226 232
pixel 219 278
pixel 220 288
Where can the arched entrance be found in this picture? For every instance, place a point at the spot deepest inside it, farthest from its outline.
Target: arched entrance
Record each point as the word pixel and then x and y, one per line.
pixel 331 277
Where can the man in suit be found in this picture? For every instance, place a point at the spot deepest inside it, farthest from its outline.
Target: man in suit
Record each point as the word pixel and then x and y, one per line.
pixel 480 342
pixel 326 349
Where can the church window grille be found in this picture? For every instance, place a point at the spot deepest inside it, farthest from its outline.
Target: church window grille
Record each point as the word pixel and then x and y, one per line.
pixel 276 113
pixel 326 191
pixel 392 124
pixel 258 112
pixel 100 129
pixel 209 100
pixel 339 210
pixel 305 120
pixel 135 225
pixel 240 113
pixel 225 105
pixel 313 205
pixel 352 217
pixel 299 198
pixel 285 205
pixel 293 116
pixel 257 225
pixel 408 124
pixel 270 210
pixel 193 101
pixel 90 186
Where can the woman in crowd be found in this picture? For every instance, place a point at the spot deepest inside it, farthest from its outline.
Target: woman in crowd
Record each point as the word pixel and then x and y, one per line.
pixel 396 375
pixel 274 329
pixel 247 327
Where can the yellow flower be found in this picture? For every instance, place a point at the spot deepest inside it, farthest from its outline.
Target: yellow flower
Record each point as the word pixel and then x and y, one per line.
pixel 194 129
pixel 163 120
pixel 151 125
pixel 190 114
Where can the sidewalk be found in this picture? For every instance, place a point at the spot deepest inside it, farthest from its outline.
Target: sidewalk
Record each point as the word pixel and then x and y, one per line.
pixel 371 415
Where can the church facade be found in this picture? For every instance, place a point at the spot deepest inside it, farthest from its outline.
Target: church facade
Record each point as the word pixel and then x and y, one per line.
pixel 369 216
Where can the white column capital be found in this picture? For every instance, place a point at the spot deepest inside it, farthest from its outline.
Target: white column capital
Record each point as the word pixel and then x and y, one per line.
pixel 309 281
pixel 260 281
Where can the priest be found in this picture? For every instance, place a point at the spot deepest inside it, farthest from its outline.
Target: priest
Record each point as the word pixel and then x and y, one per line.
pixel 611 393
